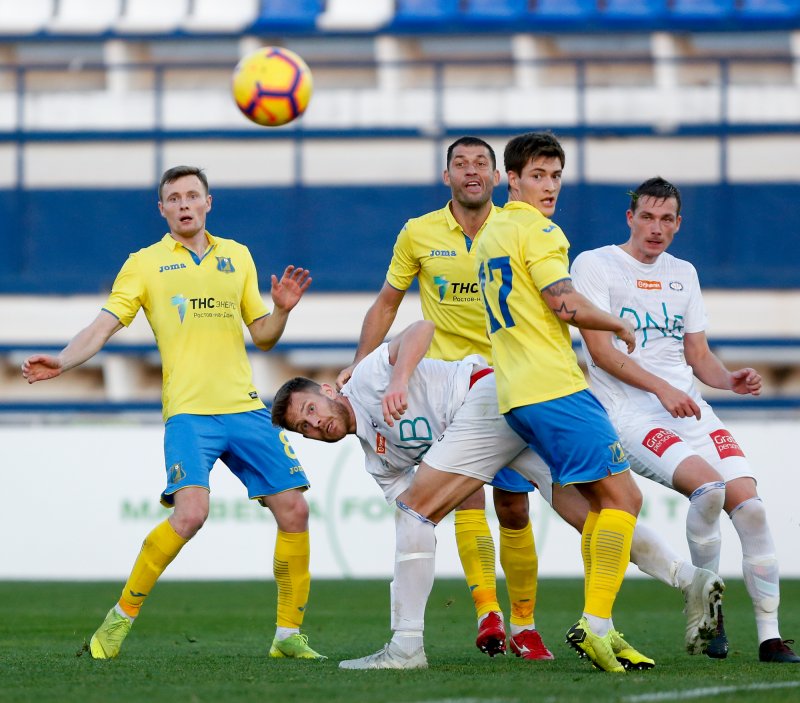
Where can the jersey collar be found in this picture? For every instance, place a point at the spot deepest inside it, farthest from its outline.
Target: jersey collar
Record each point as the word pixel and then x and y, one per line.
pixel 453 223
pixel 171 243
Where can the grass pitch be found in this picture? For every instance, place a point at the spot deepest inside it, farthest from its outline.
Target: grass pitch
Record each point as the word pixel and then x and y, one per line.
pixel 204 642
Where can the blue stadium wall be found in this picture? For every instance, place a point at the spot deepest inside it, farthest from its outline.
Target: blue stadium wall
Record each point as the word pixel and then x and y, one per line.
pixel 73 242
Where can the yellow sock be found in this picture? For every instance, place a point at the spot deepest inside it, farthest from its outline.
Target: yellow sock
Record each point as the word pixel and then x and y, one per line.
pixel 586 544
pixel 159 548
pixel 476 550
pixel 521 567
pixel 610 553
pixel 290 566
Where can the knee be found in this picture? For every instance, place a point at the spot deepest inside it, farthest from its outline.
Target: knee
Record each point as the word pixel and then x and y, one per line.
pixel 709 499
pixel 477 501
pixel 291 513
pixel 187 520
pixel 512 509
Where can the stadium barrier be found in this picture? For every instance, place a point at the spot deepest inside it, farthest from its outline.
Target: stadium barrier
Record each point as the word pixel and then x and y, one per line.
pixel 100 485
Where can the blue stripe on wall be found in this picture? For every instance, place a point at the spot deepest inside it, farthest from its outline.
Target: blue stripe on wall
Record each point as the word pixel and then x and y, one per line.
pixel 70 242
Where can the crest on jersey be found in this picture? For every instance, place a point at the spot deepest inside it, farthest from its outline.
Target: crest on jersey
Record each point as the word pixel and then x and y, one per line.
pixel 225 264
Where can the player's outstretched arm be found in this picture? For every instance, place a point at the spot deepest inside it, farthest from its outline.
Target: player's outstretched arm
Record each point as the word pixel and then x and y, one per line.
pixel 605 355
pixel 85 344
pixel 377 321
pixel 406 350
pixel 711 371
pixel 286 293
pixel 577 310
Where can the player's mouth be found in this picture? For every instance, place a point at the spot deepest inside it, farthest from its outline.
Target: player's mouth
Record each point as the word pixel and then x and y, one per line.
pixel 473 185
pixel 186 219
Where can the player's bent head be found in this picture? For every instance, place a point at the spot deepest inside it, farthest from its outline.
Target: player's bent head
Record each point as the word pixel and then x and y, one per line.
pixel 283 398
pixel 471 141
pixel 173 174
pixel 659 189
pixel 521 150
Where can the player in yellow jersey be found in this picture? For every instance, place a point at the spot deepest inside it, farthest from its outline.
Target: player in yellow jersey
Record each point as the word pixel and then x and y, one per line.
pixel 197 291
pixel 523 269
pixel 438 250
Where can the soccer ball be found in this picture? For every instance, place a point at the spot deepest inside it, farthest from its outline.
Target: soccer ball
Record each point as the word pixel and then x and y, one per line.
pixel 272 86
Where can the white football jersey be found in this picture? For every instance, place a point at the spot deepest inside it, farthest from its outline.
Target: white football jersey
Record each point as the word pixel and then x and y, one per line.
pixel 436 390
pixel 662 300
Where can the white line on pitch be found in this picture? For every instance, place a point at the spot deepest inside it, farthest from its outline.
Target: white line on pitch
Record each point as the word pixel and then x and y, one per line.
pixel 710 691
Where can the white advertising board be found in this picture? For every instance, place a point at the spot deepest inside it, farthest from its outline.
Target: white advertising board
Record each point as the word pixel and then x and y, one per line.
pixel 77 500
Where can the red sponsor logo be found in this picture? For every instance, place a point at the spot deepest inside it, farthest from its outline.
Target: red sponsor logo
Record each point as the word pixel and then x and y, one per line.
pixel 648 285
pixel 726 445
pixel 380 443
pixel 659 440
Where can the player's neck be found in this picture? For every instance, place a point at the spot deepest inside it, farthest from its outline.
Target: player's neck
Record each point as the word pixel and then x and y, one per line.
pixel 639 256
pixel 471 220
pixel 352 424
pixel 197 242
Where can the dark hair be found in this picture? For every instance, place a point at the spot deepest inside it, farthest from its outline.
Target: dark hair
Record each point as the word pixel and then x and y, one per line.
pixel 657 188
pixel 470 141
pixel 280 403
pixel 173 174
pixel 527 147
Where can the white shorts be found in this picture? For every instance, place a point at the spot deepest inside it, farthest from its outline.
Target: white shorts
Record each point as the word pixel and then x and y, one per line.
pixel 393 483
pixel 478 442
pixel 657 444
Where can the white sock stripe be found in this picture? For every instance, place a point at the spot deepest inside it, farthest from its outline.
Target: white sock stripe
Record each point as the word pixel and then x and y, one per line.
pixel 706 487
pixel 743 503
pixel 413 513
pixel 408 556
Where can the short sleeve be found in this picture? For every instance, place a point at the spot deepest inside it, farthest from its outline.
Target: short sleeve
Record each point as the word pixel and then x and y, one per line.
pixel 404 266
pixel 546 252
pixel 591 280
pixel 127 293
pixel 696 319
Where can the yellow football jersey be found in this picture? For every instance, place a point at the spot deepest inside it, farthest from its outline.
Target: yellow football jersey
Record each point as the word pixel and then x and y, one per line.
pixel 434 249
pixel 196 308
pixel 522 252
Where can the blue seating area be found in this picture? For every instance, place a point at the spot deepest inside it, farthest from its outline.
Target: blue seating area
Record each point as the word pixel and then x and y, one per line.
pixel 231 17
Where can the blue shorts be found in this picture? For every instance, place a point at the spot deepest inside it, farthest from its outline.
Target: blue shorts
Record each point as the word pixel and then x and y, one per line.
pixel 509 480
pixel 257 452
pixel 573 435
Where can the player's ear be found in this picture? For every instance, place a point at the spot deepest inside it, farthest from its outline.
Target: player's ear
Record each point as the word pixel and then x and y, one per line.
pixel 327 390
pixel 208 202
pixel 161 208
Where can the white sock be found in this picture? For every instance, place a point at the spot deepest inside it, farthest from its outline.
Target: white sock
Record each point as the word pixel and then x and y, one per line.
pixel 516 629
pixel 702 525
pixel 415 549
pixel 600 626
pixel 653 555
pixel 121 612
pixel 759 565
pixel 281 633
pixel 684 574
pixel 408 641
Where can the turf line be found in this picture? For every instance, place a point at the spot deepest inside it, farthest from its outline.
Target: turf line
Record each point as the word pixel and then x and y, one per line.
pixel 709 691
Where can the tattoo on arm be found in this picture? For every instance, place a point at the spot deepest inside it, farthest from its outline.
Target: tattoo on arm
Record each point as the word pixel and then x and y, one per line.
pixel 556 290
pixel 564 309
pixel 560 288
